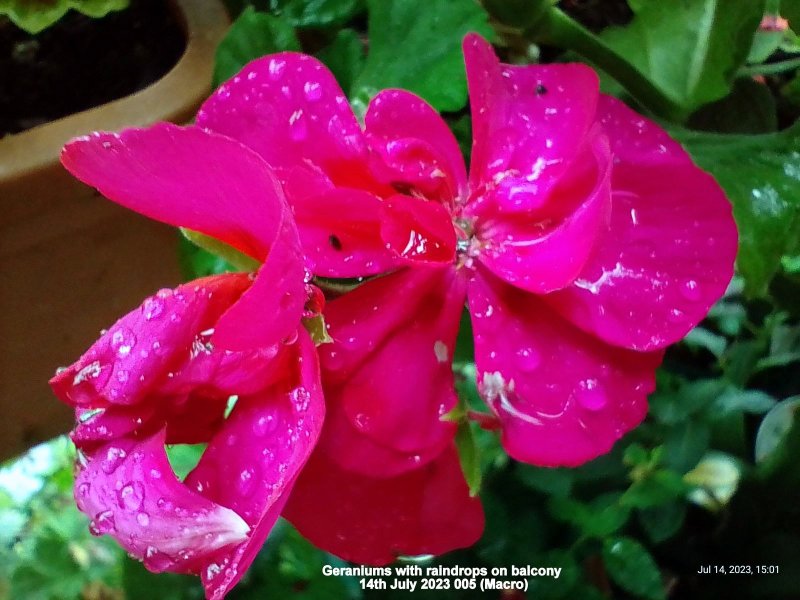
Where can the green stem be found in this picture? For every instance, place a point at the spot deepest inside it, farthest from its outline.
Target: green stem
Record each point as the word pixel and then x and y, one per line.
pixel 771 68
pixel 558 29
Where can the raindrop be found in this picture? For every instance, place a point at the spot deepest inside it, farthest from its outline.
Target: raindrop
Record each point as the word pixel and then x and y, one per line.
pixel 102 523
pixel 691 290
pixel 264 424
pixel 591 395
pixel 131 496
pixel 152 308
pixel 312 90
pixel 114 456
pixel 143 519
pixel 528 359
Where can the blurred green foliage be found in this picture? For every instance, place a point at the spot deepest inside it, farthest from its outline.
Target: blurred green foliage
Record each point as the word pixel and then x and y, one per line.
pixel 35 15
pixel 711 477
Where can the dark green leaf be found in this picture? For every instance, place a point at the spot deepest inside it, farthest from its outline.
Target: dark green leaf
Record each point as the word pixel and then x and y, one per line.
pixel 684 446
pixel 554 482
pixel 599 518
pixel 252 35
pixel 344 57
pixel 761 175
pixel 749 108
pixel 196 262
pixel 416 45
pixel 630 565
pixel 690 49
pixel 663 521
pixel 317 13
pixel 657 488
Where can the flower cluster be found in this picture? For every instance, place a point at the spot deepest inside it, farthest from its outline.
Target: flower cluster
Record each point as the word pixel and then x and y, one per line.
pixel 582 242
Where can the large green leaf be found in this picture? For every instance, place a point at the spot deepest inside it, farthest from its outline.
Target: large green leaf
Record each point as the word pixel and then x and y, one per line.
pixel 317 13
pixel 251 36
pixel 35 15
pixel 761 175
pixel 690 49
pixel 630 565
pixel 416 45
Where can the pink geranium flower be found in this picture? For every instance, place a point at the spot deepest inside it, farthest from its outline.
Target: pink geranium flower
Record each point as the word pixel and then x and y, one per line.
pixel 584 241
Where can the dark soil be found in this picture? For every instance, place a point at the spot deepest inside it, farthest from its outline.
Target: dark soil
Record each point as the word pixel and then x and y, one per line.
pixel 82 62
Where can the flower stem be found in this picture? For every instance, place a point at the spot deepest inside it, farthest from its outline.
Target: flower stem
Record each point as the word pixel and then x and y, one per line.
pixel 771 68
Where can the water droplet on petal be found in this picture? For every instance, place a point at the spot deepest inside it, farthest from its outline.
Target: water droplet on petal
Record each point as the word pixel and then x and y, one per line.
pixel 264 424
pixel 152 308
pixel 528 359
pixel 102 523
pixel 591 395
pixel 691 290
pixel 143 519
pixel 131 496
pixel 312 90
pixel 114 457
pixel 246 482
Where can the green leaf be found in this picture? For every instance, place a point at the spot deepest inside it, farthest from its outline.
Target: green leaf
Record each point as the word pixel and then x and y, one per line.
pixel 469 456
pixel 252 35
pixel 690 49
pixel 775 428
pixel 630 565
pixel 761 176
pixel 663 521
pixel 657 488
pixel 36 15
pixel 416 45
pixel 685 445
pixel 229 254
pixel 554 482
pixel 317 13
pixel 344 57
pixel 601 517
pixel 749 108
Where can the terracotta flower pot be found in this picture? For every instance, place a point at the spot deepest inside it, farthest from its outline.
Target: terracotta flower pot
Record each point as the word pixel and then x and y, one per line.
pixel 71 262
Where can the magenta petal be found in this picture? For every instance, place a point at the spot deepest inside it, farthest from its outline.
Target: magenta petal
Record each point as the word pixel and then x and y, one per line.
pixel 416 145
pixel 413 314
pixel 528 119
pixel 289 108
pixel 251 464
pixel 138 351
pixel 340 230
pixel 669 252
pixel 187 177
pixel 418 230
pixel 129 491
pixel 373 521
pixel 270 311
pixel 563 397
pixel 545 251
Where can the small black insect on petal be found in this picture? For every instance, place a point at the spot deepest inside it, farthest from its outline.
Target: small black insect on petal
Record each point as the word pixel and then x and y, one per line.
pixel 335 242
pixel 540 89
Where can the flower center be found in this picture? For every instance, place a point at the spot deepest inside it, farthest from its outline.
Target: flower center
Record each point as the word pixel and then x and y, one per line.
pixel 466 242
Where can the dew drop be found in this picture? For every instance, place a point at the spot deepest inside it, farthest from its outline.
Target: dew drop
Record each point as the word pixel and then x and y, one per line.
pixel 143 519
pixel 312 90
pixel 102 523
pixel 264 424
pixel 246 481
pixel 528 359
pixel 691 290
pixel 153 308
pixel 591 395
pixel 131 496
pixel 114 457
